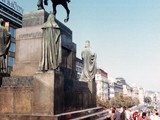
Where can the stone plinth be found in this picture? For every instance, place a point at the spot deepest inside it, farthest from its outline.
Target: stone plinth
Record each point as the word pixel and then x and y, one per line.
pixel 26 117
pixel 16 95
pixel 43 99
pixel 6 100
pixel 28 46
pixel 80 94
pixel 34 18
pixel 92 88
pixel 28 51
pixel 41 94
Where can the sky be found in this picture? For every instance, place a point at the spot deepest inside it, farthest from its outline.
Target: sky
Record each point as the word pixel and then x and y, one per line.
pixel 125 34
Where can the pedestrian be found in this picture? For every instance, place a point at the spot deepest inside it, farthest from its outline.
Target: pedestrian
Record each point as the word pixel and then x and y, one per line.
pixel 123 114
pixel 157 116
pixel 116 114
pixel 112 114
pixel 153 115
pixel 144 117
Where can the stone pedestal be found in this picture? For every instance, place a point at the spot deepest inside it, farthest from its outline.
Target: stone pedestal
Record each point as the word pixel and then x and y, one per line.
pixel 28 46
pixel 41 94
pixel 48 93
pixel 34 94
pixel 92 88
pixel 43 90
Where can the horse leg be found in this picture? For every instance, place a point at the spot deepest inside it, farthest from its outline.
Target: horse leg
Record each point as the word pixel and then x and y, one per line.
pixel 54 8
pixel 68 1
pixel 40 4
pixel 67 10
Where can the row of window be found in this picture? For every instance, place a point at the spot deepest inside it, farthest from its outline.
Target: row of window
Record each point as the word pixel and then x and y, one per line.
pixel 10 60
pixel 12 32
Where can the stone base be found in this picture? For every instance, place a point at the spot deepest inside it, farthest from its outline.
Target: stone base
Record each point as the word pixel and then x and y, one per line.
pixel 43 87
pixel 39 94
pixel 26 117
pixel 80 95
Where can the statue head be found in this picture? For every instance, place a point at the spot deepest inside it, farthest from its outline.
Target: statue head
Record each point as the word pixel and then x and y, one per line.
pixel 87 44
pixel 51 17
pixel 1 21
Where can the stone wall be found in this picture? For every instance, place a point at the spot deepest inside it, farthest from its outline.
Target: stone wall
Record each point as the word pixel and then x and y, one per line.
pixel 40 94
pixel 26 117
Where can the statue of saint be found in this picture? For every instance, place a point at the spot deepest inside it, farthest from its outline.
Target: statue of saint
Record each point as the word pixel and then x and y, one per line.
pixel 51 56
pixel 4 46
pixel 89 62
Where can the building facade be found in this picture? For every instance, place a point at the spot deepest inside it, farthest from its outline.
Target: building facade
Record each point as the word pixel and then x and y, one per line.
pixel 102 84
pixel 111 87
pixel 141 94
pixel 11 12
pixel 127 90
pixel 118 85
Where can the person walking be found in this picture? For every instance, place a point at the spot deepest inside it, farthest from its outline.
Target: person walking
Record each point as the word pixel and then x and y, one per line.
pixel 123 114
pixel 144 117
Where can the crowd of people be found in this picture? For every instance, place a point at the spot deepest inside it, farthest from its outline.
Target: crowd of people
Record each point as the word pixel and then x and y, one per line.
pixel 128 114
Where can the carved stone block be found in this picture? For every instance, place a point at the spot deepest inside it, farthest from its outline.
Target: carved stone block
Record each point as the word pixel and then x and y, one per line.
pixel 23 101
pixel 43 89
pixel 6 100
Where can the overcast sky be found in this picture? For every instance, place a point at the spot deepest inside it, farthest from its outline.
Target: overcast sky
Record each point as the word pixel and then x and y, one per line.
pixel 125 34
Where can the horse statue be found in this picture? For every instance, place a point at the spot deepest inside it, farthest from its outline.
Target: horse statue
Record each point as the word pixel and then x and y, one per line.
pixel 64 3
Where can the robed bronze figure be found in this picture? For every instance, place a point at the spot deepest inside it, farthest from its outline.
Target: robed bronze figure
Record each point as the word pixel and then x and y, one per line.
pixel 4 46
pixel 89 63
pixel 51 56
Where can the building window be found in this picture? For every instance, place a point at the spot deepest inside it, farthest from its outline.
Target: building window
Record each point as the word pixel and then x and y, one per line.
pixel 12 47
pixel 12 31
pixel 10 61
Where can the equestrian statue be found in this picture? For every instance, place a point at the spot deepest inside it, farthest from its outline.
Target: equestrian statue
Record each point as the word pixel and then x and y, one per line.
pixel 64 3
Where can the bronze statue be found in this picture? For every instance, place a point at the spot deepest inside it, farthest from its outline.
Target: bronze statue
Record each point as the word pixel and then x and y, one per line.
pixel 4 46
pixel 51 56
pixel 64 3
pixel 89 63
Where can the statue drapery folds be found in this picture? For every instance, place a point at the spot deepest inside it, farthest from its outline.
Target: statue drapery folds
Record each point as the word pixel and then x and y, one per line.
pixel 51 56
pixel 4 46
pixel 89 62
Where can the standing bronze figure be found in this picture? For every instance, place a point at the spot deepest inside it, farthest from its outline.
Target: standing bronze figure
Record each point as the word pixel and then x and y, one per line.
pixel 51 56
pixel 89 61
pixel 64 3
pixel 4 46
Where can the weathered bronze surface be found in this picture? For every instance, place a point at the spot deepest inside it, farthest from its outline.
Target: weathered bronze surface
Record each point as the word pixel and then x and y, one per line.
pixel 51 55
pixel 89 61
pixel 4 46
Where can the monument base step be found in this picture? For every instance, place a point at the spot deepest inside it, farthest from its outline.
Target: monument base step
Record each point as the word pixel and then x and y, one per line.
pixel 26 117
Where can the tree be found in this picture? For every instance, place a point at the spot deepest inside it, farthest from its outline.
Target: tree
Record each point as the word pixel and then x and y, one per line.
pixel 120 100
pixel 103 103
pixel 147 100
